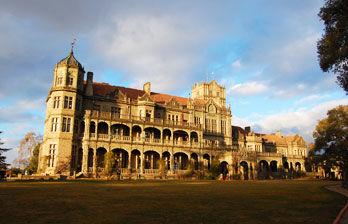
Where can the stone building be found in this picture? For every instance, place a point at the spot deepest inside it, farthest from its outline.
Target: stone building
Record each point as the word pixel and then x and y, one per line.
pixel 147 133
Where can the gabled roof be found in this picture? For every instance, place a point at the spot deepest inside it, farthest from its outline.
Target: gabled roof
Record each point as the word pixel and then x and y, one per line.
pixel 284 139
pixel 241 130
pixel 275 139
pixel 164 98
pixel 102 89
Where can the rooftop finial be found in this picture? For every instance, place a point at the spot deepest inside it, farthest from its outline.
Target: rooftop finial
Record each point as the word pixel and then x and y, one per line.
pixel 72 44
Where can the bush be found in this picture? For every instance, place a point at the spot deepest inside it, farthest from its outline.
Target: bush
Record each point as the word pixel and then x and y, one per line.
pixel 109 162
pixel 214 171
pixel 190 171
pixel 237 176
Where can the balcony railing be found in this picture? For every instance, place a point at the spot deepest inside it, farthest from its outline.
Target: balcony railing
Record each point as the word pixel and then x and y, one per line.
pixel 123 138
pixel 101 115
pixel 269 154
pixel 103 136
pixel 151 171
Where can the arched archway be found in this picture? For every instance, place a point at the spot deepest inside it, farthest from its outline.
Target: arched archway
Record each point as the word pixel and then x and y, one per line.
pixel 90 159
pixel 206 161
pixel 121 158
pixel 101 157
pixel 151 160
pixel 135 160
pixel 194 137
pixel 119 130
pixel 152 134
pixel 92 129
pixel 103 128
pixel 166 160
pixel 194 161
pixel 298 166
pixel 263 169
pixel 180 161
pixel 274 166
pixel 224 169
pixel 180 137
pixel 167 135
pixel 244 170
pixel 136 133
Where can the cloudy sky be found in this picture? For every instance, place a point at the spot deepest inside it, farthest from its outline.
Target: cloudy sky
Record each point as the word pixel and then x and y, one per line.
pixel 264 52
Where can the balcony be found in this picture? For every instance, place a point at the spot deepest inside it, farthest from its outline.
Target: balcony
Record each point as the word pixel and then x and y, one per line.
pixel 101 115
pixel 141 140
pixel 269 154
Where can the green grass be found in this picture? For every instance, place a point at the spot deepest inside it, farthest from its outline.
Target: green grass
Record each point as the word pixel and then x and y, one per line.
pixel 169 202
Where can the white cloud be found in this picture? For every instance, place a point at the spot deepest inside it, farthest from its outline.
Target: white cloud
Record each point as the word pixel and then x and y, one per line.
pixel 241 122
pixel 310 98
pixel 302 121
pixel 247 89
pixel 236 64
pixel 22 111
pixel 162 49
pixel 293 58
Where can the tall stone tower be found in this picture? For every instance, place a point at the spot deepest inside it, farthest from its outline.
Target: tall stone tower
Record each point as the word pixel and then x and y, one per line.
pixel 212 90
pixel 62 116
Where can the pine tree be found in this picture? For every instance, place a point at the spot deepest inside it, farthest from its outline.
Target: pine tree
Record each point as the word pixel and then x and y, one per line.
pixel 3 164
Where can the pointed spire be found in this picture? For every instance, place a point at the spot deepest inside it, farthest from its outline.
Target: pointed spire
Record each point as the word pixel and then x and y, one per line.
pixel 70 60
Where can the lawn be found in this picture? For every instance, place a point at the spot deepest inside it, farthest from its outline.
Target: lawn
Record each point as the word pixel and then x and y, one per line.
pixel 89 201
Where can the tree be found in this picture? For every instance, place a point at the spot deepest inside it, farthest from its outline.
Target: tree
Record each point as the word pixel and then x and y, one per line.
pixel 109 162
pixel 3 164
pixel 26 147
pixel 63 165
pixel 214 170
pixel 313 160
pixel 34 160
pixel 331 140
pixel 333 46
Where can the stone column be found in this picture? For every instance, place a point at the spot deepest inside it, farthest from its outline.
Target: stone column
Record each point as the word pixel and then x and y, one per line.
pixel 136 161
pixel 189 137
pixel 151 161
pixel 96 130
pixel 94 161
pixel 172 163
pixel 142 162
pixel 180 162
pixel 200 163
pixel 85 159
pixel 87 127
pixel 131 133
pixel 129 161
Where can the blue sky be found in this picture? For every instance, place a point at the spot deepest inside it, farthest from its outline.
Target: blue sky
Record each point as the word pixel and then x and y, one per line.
pixel 264 52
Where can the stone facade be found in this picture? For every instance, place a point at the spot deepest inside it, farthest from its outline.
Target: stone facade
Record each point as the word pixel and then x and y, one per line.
pixel 147 133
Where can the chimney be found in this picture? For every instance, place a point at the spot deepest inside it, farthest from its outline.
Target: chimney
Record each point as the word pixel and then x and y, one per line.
pixel 89 86
pixel 279 134
pixel 147 87
pixel 247 129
